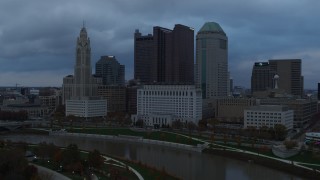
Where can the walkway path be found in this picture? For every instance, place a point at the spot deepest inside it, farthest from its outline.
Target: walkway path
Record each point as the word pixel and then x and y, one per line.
pixel 296 163
pixel 50 174
pixel 124 166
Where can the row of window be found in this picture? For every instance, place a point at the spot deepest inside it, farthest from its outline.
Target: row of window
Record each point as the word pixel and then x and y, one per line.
pixel 264 116
pixel 266 113
pixel 263 120
pixel 166 93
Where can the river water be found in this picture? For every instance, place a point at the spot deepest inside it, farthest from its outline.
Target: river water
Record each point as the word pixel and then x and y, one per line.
pixel 181 163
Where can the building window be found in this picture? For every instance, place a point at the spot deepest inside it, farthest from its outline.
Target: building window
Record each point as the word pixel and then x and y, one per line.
pixel 223 44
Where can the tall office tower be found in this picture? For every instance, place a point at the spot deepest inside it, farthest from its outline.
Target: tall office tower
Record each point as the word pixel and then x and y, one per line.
pixel 212 61
pixel 165 56
pixel 262 77
pixel 183 54
pixel 318 91
pixel 143 55
pixel 84 84
pixel 162 58
pixel 289 71
pixel 110 70
pixel 80 90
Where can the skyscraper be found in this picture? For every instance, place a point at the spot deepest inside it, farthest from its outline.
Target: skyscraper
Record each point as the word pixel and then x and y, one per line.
pixel 80 90
pixel 289 76
pixel 84 84
pixel 262 77
pixel 110 70
pixel 183 54
pixel 143 55
pixel 289 72
pixel 165 56
pixel 318 91
pixel 212 61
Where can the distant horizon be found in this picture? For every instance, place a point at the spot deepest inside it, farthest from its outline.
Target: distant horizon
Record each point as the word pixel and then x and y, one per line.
pixel 126 81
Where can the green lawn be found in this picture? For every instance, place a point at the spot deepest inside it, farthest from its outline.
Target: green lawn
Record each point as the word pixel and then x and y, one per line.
pixel 307 157
pixel 148 172
pixel 55 167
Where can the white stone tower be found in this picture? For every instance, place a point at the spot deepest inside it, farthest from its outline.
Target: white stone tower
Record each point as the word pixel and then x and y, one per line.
pixel 83 80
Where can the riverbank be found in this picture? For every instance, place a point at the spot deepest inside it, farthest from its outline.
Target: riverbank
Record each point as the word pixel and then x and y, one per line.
pixel 132 139
pixel 182 164
pixel 265 161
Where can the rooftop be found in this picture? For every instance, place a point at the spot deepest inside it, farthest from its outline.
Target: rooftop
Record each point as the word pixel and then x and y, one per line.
pixel 211 27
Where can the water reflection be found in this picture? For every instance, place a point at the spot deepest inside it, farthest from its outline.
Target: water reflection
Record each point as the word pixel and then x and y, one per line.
pixel 182 163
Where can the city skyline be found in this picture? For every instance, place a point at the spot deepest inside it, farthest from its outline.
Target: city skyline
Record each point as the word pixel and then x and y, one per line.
pixel 37 50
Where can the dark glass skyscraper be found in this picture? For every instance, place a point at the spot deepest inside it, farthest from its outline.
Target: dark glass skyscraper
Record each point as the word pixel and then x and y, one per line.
pixel 110 70
pixel 318 91
pixel 262 77
pixel 165 56
pixel 143 55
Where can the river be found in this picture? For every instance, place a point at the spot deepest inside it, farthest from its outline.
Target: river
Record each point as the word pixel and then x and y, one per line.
pixel 184 164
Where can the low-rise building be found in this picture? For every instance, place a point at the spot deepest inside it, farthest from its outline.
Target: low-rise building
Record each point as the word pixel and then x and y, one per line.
pixel 161 104
pixel 304 109
pixel 268 115
pixel 86 107
pixel 33 110
pixel 231 109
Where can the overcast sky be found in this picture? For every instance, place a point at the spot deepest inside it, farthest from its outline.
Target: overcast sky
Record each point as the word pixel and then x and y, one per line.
pixel 37 37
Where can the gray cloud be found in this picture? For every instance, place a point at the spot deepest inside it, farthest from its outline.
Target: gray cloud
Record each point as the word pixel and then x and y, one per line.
pixel 37 38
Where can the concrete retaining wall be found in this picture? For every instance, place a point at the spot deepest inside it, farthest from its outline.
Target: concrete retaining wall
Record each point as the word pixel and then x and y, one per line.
pixel 129 139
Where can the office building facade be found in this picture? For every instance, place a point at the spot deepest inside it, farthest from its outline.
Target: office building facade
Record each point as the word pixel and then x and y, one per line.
pixel 262 77
pixel 87 107
pixel 212 61
pixel 318 91
pixel 269 116
pixel 289 72
pixel 110 70
pixel 115 96
pixel 165 56
pixel 304 109
pixel 161 104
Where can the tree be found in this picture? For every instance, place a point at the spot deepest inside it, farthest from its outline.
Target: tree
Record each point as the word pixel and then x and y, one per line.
pixel 70 157
pixel 14 165
pixel 280 131
pixel 290 144
pixel 263 132
pixel 225 139
pixel 213 122
pixel 177 124
pixel 191 126
pixel 202 124
pixel 140 123
pixel 239 141
pixel 252 131
pixel 95 159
